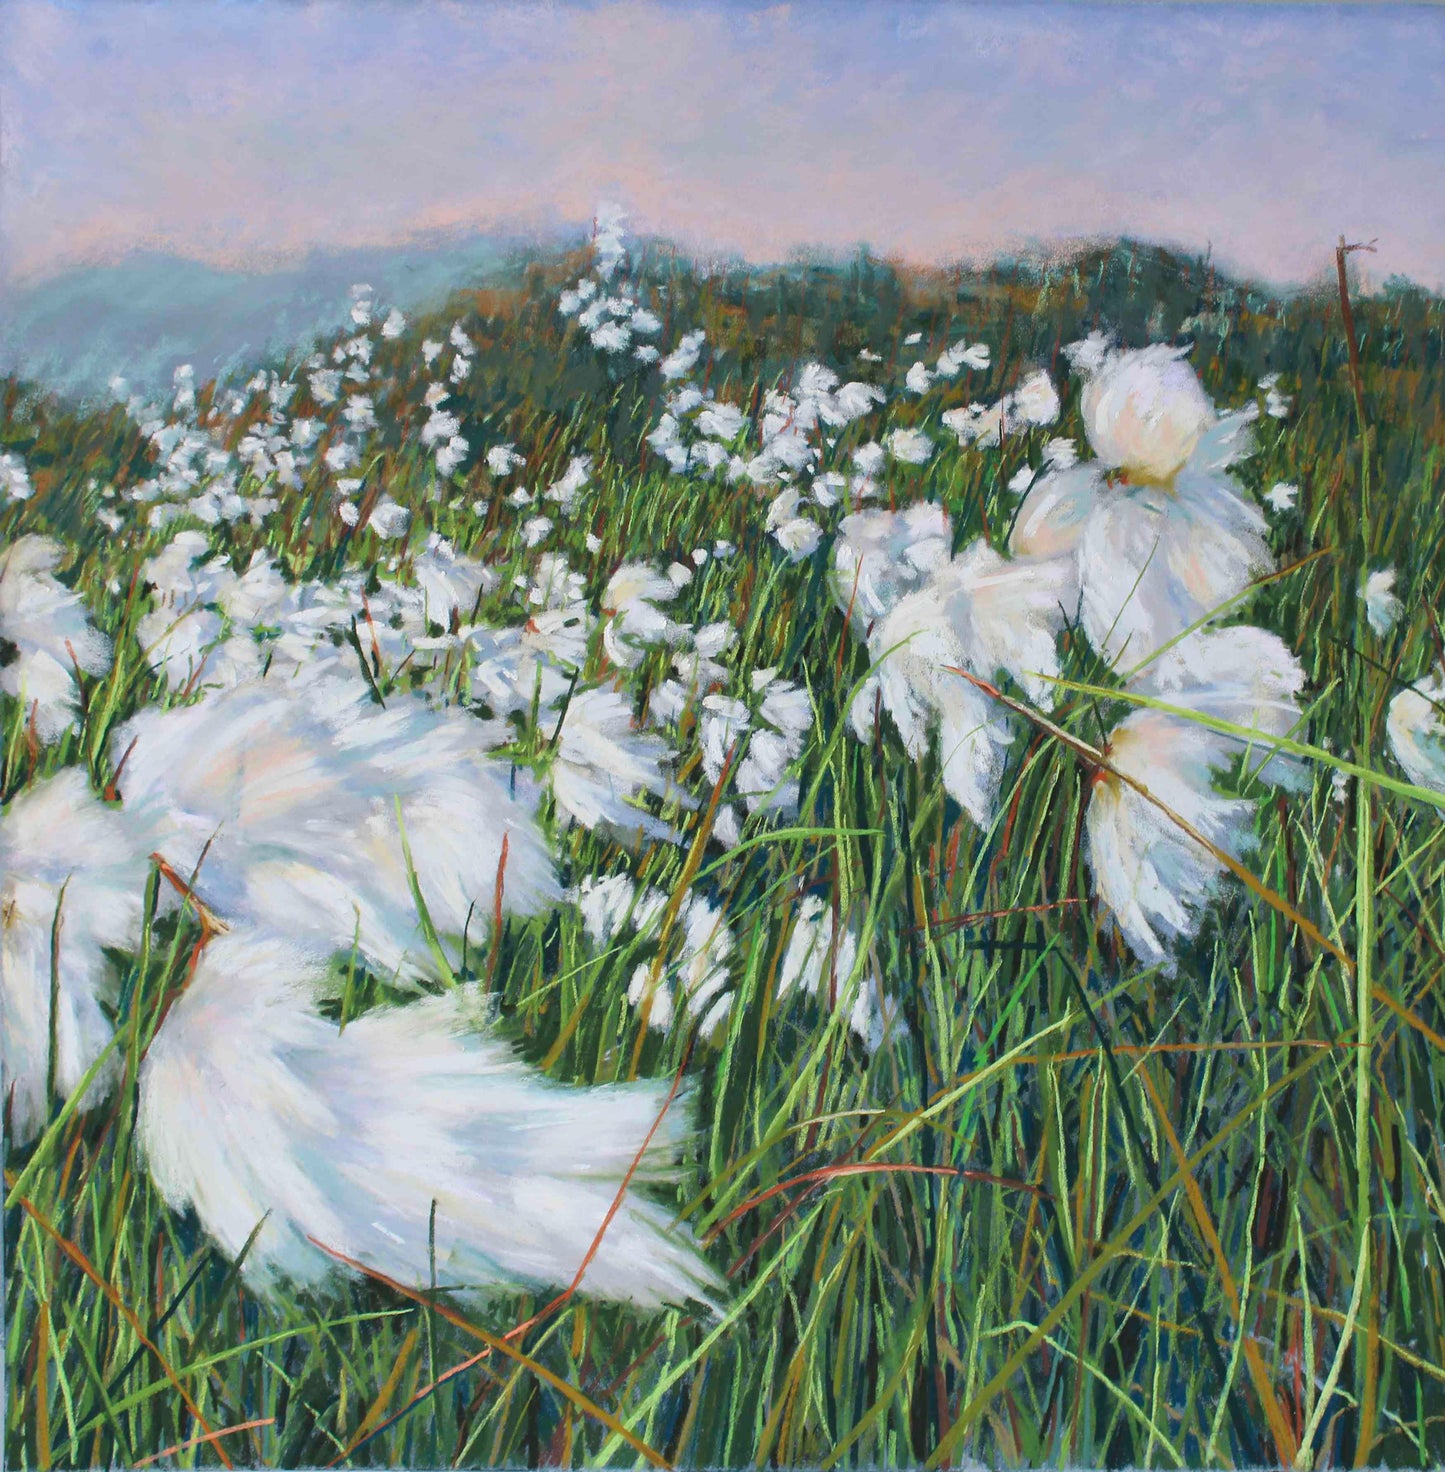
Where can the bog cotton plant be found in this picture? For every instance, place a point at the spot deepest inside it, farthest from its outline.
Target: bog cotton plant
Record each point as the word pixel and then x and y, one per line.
pixel 1145 411
pixel 71 871
pixel 1155 876
pixel 880 556
pixel 410 1143
pixel 981 614
pixel 1170 540
pixel 1416 728
pixel 321 815
pixel 1141 555
pixel 53 638
pixel 822 962
pixel 688 983
pixel 602 763
pixel 280 1130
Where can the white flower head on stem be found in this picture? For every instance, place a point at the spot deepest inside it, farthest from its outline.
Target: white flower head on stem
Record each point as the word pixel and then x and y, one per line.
pixel 392 1141
pixel 1416 729
pixel 1382 607
pixel 52 635
pixel 1155 878
pixel 603 763
pixel 1145 411
pixel 880 556
pixel 72 885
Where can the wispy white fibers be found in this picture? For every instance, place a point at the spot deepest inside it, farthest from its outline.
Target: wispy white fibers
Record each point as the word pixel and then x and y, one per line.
pixel 1416 728
pixel 1382 606
pixel 15 480
pixel 612 903
pixel 781 725
pixel 283 802
pixel 982 614
pixel 1144 411
pixel 72 882
pixel 185 623
pixel 450 582
pixel 1242 675
pixel 1170 540
pixel 1154 561
pixel 1052 517
pixel 52 635
pixel 256 1112
pixel 814 964
pixel 879 556
pixel 603 763
pixel 635 622
pixel 1155 877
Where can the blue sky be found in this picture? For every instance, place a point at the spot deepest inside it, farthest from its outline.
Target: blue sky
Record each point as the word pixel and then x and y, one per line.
pixel 248 134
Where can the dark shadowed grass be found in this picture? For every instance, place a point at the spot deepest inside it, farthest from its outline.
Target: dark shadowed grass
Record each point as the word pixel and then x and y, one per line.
pixel 1080 1211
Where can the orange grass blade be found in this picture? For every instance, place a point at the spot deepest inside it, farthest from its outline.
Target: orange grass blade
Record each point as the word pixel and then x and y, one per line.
pixel 210 1436
pixel 496 1342
pixel 1284 1438
pixel 1097 758
pixel 866 1168
pixel 126 1312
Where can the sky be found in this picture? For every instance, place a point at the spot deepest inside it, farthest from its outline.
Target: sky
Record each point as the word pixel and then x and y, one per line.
pixel 248 134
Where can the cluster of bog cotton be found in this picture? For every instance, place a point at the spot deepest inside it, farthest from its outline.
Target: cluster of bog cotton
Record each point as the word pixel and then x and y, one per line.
pixel 1139 547
pixel 233 459
pixel 310 825
pixel 619 913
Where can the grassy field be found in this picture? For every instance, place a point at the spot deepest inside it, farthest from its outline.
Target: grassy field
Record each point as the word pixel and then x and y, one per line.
pixel 1077 1210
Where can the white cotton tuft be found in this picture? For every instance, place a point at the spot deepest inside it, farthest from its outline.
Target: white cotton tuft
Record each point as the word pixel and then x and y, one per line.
pixel 1152 562
pixel 813 963
pixel 1052 516
pixel 256 1112
pixel 915 651
pixel 62 853
pixel 1416 729
pixel 1153 876
pixel 451 583
pixel 52 635
pixel 911 446
pixel 1008 613
pixel 1145 411
pixel 603 763
pixel 636 623
pixel 283 801
pixel 979 613
pixel 879 556
pixel 1242 675
pixel 1382 606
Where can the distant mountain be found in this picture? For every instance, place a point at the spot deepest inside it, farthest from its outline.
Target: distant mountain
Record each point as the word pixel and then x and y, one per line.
pixel 147 313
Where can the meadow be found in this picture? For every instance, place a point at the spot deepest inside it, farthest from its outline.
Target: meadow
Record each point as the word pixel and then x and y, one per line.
pixel 980 1178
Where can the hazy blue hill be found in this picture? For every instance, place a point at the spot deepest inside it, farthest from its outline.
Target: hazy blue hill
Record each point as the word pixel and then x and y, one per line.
pixel 143 315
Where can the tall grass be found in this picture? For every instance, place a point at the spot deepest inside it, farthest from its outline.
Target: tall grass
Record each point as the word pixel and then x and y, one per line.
pixel 1083 1211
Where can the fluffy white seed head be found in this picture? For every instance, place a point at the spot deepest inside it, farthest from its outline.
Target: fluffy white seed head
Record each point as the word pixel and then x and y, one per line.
pixel 52 635
pixel 603 763
pixel 284 803
pixel 72 883
pixel 1155 878
pixel 879 556
pixel 1152 562
pixel 1145 411
pixel 1242 675
pixel 256 1112
pixel 1416 729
